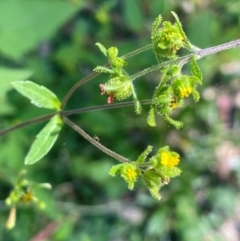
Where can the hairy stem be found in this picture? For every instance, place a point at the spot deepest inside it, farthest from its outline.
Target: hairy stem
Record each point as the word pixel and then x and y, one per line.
pixel 71 112
pixel 182 60
pixel 27 123
pixel 212 50
pixel 104 107
pixel 93 141
pixel 137 51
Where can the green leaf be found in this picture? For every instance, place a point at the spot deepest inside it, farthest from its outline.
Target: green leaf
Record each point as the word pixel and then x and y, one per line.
pixel 155 26
pixel 115 169
pixel 179 25
pixel 196 95
pixel 25 24
pixel 44 140
pixel 175 123
pixel 102 69
pixel 39 95
pixel 142 157
pixel 151 117
pixel 195 69
pixel 102 48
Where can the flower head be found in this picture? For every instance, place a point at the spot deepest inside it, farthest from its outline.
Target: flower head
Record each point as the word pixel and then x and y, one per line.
pixel 130 174
pixel 169 159
pixel 185 91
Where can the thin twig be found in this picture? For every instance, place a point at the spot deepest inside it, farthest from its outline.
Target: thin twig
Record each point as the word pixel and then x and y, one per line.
pixel 93 75
pixel 94 142
pixel 26 123
pixel 137 51
pixel 71 112
pixel 78 84
pixel 104 107
pixel 182 60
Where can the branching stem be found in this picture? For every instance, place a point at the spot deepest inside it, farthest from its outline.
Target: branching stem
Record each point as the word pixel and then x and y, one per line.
pixel 93 75
pixel 71 112
pixel 74 88
pixel 27 123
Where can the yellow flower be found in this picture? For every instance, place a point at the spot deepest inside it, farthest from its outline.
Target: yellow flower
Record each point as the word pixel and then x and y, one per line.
pixel 185 91
pixel 131 174
pixel 169 159
pixel 27 197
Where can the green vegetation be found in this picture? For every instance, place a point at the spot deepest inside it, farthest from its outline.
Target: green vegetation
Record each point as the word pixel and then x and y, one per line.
pixel 52 43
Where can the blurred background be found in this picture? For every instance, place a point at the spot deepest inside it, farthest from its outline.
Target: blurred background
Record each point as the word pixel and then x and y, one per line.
pixel 53 44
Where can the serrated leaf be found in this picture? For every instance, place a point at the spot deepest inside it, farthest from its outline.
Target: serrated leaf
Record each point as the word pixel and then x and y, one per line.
pixel 137 107
pixel 44 140
pixel 102 69
pixel 175 123
pixel 179 25
pixel 102 48
pixel 155 26
pixel 39 95
pixel 196 95
pixel 115 169
pixel 195 69
pixel 151 117
pixel 142 157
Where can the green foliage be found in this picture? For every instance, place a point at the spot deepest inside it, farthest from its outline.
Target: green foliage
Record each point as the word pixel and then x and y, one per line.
pixel 23 193
pixel 179 26
pixel 151 117
pixel 22 18
pixel 195 69
pixel 167 40
pixel 44 140
pixel 7 75
pixel 144 154
pixel 155 173
pixel 119 85
pixel 39 95
pixel 195 206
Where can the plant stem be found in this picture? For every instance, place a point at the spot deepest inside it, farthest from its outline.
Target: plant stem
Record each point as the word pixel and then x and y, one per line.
pixel 93 141
pixel 137 51
pixel 104 107
pixel 71 112
pixel 182 60
pixel 26 123
pixel 78 84
pixel 212 50
pixel 95 74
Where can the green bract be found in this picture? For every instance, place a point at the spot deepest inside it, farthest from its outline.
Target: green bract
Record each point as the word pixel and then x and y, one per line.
pixel 119 85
